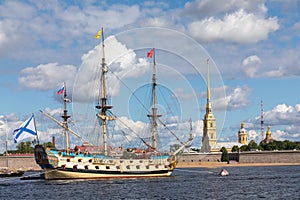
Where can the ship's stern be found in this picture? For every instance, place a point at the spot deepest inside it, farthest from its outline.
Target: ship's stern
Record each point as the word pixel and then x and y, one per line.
pixel 41 157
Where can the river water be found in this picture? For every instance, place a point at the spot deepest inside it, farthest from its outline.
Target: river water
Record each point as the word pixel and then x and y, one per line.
pixel 276 182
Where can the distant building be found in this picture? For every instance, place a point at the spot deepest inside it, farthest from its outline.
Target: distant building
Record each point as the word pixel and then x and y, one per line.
pixel 228 145
pixel 268 137
pixel 243 135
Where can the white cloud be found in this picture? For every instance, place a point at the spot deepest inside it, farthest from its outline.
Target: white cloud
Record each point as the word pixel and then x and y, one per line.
pixel 125 123
pixel 283 119
pixel 204 8
pixel 283 114
pixel 182 94
pixel 252 68
pixel 55 26
pixel 279 135
pixel 251 65
pixel 236 98
pixel 158 22
pixel 280 72
pixel 17 9
pixel 253 135
pixel 122 61
pixel 238 27
pixel 47 76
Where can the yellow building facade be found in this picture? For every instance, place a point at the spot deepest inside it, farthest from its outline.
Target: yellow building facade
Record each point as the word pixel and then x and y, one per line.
pixel 243 135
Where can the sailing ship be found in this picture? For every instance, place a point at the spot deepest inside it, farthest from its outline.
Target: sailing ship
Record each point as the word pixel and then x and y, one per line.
pixel 83 162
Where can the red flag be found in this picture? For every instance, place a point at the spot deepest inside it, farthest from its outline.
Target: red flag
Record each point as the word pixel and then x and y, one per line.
pixel 150 53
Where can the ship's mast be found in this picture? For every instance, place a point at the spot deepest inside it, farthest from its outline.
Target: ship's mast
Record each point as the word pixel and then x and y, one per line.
pixel 65 117
pixel 6 144
pixel 154 114
pixel 103 100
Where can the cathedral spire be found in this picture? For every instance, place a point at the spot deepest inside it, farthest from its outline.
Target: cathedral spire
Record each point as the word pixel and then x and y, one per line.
pixel 208 104
pixel 208 82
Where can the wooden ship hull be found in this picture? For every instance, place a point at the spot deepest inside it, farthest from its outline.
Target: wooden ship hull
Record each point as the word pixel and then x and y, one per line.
pixel 60 165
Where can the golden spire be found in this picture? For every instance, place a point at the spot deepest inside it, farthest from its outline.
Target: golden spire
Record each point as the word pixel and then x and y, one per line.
pixel 208 104
pixel 208 81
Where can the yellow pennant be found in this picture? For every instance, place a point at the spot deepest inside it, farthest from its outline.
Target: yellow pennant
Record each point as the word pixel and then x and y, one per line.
pixel 98 34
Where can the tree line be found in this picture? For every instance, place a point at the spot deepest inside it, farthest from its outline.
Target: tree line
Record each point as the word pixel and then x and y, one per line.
pixel 27 147
pixel 271 146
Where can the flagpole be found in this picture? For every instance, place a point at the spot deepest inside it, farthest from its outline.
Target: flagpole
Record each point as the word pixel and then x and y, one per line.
pixel 65 117
pixel 6 142
pixel 37 138
pixel 154 109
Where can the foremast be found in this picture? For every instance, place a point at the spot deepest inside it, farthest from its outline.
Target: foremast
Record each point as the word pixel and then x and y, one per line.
pixel 102 104
pixel 64 124
pixel 65 117
pixel 154 116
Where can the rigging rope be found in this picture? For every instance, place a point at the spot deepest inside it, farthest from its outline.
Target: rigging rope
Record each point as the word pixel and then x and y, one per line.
pixel 128 88
pixel 171 132
pixel 131 130
pixel 145 109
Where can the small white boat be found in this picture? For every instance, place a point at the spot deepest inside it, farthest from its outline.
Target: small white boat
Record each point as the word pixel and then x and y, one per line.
pixel 224 172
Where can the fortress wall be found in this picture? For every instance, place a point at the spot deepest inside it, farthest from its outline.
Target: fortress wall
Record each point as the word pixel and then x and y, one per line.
pixel 270 157
pixel 20 162
pixel 202 157
pixel 246 157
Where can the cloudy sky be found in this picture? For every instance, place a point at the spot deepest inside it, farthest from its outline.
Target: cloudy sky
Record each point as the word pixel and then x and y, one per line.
pixel 253 48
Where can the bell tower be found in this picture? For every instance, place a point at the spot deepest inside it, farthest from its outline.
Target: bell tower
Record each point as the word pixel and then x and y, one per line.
pixel 209 122
pixel 243 135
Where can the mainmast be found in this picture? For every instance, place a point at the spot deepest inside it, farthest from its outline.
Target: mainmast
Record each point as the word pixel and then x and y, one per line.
pixel 65 117
pixel 154 114
pixel 103 100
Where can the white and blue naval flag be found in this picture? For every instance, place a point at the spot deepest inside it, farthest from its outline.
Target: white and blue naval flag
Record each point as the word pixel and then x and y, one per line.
pixel 26 130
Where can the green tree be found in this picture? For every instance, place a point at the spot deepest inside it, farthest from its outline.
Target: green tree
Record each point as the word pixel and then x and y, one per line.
pixel 48 144
pixel 224 156
pixel 235 148
pixel 297 145
pixel 252 145
pixel 279 145
pixel 245 148
pixel 24 147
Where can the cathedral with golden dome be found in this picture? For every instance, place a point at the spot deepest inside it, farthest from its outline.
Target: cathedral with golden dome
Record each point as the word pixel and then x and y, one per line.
pixel 268 137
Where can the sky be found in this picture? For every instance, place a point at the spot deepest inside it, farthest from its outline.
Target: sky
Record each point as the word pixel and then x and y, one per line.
pixel 252 47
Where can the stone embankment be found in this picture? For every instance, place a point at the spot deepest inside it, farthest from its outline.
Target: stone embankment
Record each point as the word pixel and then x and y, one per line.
pixel 19 162
pixel 266 158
